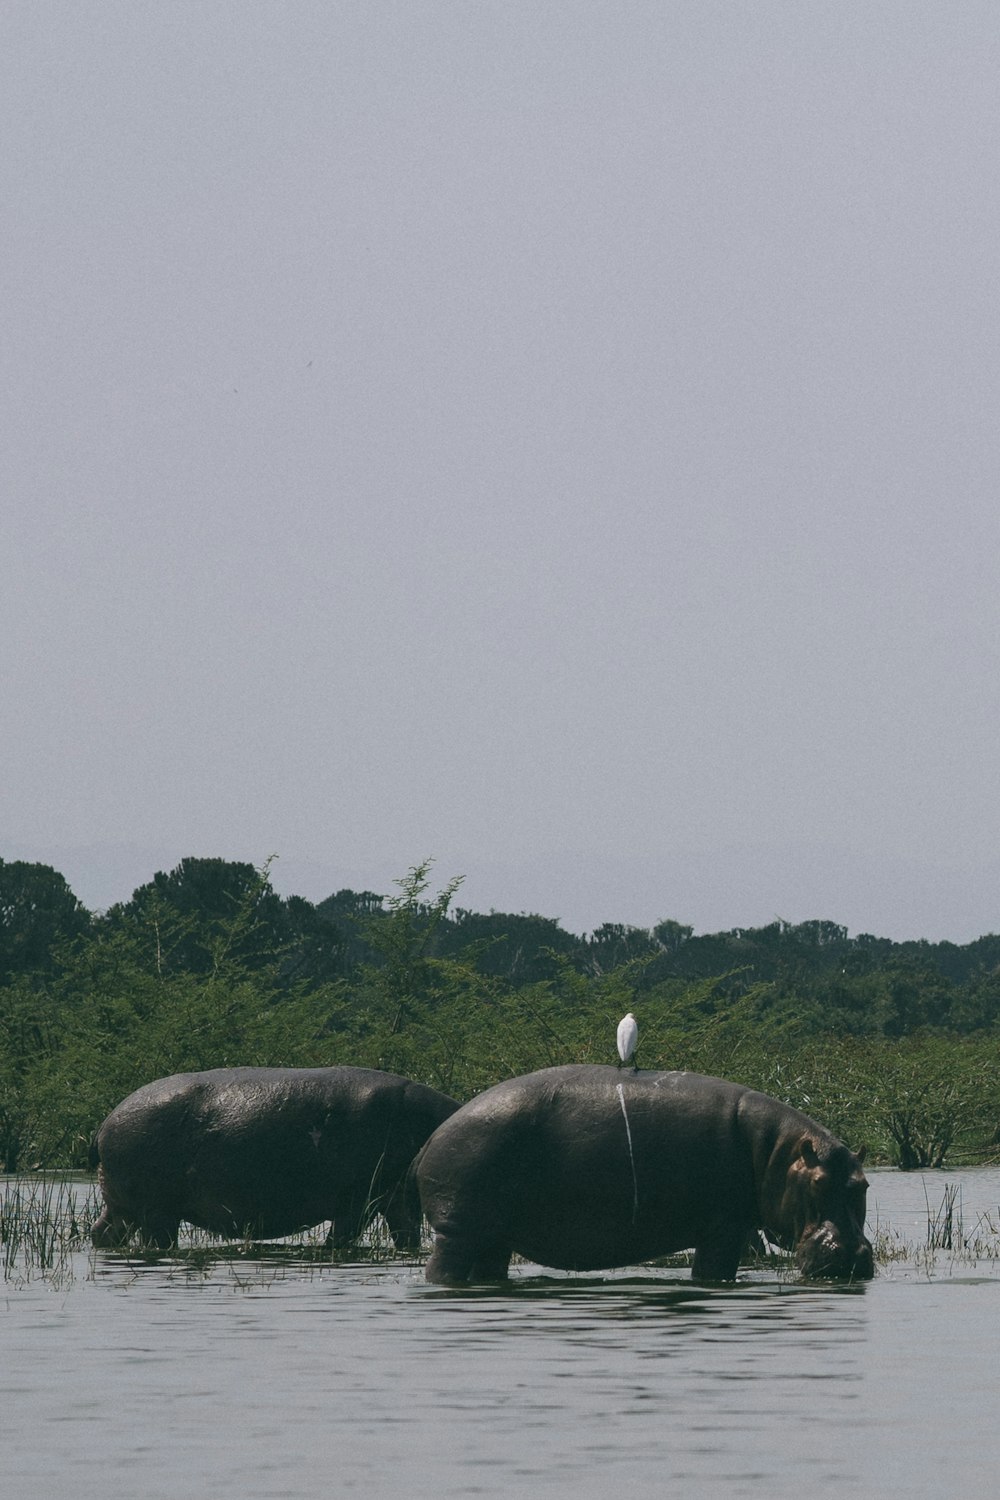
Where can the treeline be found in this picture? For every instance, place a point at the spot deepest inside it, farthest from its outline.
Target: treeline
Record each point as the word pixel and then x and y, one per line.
pixel 895 1044
pixel 854 986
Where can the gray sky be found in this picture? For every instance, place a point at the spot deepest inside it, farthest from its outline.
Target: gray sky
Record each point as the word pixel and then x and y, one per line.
pixel 559 439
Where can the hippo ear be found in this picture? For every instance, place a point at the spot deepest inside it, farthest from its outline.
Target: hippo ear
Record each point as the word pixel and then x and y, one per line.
pixel 807 1152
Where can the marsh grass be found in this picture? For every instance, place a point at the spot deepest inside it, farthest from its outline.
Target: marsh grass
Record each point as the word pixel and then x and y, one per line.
pixel 946 1229
pixel 248 1264
pixel 45 1234
pixel 948 1244
pixel 43 1223
pixel 308 1248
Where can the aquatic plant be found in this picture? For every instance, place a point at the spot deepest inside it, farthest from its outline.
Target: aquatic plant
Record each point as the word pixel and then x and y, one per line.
pixel 43 1220
pixel 45 1233
pixel 946 1229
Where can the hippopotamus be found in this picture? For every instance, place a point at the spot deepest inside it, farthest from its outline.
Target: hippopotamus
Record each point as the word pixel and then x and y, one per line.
pixel 264 1152
pixel 586 1167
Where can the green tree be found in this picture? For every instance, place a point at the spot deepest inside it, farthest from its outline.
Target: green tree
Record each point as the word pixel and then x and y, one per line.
pixel 410 1011
pixel 205 908
pixel 30 1036
pixel 38 913
pixel 519 948
pixel 124 1016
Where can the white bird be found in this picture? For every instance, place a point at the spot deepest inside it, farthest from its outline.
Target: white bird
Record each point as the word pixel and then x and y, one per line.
pixel 628 1037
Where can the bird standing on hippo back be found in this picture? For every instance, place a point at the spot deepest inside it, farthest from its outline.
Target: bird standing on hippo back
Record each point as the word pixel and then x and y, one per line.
pixel 628 1040
pixel 585 1168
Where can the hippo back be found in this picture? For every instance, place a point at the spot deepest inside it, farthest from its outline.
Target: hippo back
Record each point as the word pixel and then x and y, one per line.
pixel 264 1150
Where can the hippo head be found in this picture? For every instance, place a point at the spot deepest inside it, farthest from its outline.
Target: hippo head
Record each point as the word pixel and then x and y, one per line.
pixel 822 1211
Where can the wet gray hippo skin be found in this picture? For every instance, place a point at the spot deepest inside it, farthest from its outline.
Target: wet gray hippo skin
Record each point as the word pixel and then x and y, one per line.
pixel 265 1152
pixel 584 1168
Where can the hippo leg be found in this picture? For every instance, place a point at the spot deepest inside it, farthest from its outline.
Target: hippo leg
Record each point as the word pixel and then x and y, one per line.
pixel 159 1233
pixel 349 1222
pixel 401 1211
pixel 457 1262
pixel 124 1216
pixel 717 1258
pixel 155 1230
pixel 112 1229
pixel 109 1230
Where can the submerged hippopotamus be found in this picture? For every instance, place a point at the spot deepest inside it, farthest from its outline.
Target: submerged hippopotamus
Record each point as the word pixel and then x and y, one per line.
pixel 265 1152
pixel 585 1168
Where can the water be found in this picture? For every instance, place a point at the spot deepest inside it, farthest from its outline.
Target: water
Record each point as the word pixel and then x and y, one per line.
pixel 270 1378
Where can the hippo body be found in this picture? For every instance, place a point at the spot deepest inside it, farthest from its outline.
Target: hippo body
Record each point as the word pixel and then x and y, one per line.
pixel 586 1167
pixel 265 1152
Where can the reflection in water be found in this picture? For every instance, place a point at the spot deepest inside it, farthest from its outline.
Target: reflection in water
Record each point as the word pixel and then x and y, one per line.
pixel 284 1376
pixel 564 1386
pixel 648 1383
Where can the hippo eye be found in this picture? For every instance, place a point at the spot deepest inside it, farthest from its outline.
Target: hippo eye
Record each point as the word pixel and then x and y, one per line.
pixel 820 1187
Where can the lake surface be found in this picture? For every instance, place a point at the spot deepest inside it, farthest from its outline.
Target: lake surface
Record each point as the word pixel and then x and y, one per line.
pixel 180 1378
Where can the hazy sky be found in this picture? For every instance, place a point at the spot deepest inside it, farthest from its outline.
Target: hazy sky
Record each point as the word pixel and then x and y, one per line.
pixel 561 439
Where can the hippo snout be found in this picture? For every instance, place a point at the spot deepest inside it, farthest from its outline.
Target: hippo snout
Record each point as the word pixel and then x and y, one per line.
pixel 824 1251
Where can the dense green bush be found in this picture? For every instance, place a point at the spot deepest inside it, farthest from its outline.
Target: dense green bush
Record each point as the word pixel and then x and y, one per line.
pixel 893 1046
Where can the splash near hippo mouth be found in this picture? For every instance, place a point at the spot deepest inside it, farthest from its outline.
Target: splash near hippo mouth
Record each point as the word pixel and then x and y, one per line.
pixel 823 1255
